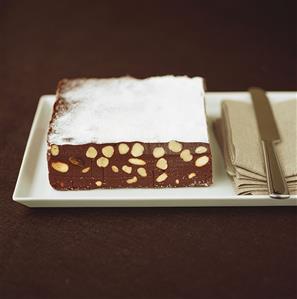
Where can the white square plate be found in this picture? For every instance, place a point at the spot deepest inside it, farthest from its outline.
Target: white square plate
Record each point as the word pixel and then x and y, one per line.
pixel 33 188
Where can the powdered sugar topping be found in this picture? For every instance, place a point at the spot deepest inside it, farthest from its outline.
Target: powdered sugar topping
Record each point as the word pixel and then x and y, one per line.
pixel 156 109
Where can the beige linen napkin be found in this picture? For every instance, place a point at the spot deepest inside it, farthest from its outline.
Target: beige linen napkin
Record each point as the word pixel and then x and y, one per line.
pixel 238 135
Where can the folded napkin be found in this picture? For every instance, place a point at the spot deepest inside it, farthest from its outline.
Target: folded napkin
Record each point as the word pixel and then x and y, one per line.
pixel 238 135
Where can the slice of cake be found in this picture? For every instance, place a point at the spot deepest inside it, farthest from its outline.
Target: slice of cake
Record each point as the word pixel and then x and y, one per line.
pixel 126 132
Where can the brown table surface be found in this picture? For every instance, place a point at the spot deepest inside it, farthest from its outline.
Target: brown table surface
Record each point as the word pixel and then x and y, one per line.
pixel 141 252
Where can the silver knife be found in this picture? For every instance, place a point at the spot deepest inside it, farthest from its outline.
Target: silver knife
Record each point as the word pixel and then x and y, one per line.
pixel 277 185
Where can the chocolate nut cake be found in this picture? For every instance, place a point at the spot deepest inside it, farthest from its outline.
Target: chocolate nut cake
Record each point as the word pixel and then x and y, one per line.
pixel 126 132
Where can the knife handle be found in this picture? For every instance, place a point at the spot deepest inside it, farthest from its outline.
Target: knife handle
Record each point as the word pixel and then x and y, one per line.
pixel 277 184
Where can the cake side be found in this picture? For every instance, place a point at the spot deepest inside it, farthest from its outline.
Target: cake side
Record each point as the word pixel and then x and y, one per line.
pixel 126 165
pixel 74 165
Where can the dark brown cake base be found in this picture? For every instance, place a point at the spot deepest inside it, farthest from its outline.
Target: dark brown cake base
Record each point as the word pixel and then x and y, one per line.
pixel 129 165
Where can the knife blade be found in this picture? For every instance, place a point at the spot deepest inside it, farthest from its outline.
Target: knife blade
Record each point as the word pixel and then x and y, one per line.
pixel 264 115
pixel 277 185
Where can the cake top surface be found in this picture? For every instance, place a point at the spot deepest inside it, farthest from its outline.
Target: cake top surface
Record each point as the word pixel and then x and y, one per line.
pixel 156 109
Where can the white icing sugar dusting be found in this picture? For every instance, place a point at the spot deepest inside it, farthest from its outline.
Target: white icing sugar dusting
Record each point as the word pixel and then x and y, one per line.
pixel 156 109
